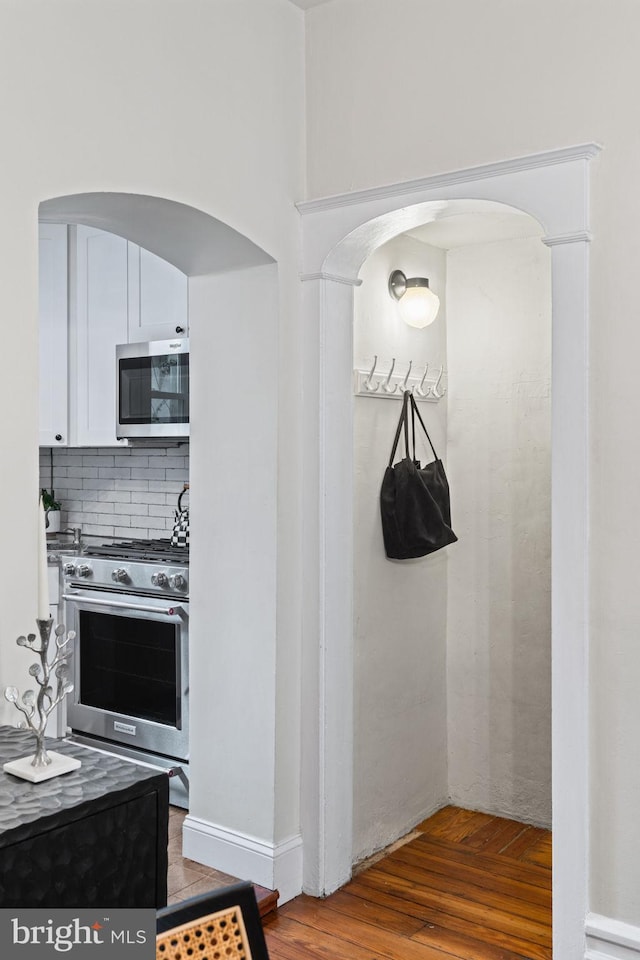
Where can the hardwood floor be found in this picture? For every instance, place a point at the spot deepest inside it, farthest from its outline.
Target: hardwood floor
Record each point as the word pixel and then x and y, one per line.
pixel 465 885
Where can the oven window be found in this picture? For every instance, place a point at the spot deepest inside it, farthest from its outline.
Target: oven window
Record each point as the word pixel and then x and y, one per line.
pixel 154 389
pixel 128 665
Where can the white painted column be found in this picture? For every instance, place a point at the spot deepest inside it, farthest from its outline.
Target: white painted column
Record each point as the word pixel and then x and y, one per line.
pixel 327 670
pixel 570 470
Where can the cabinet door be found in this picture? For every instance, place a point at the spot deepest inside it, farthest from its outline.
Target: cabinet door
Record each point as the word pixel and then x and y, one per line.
pixel 158 298
pixel 54 417
pixel 99 322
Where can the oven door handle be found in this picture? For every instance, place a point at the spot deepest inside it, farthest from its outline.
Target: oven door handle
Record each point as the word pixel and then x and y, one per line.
pixel 176 611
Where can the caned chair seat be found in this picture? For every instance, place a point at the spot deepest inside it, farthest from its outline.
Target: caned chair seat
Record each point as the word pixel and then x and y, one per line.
pixel 222 925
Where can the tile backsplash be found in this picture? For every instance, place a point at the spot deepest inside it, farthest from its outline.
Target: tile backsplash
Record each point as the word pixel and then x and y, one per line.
pixel 128 492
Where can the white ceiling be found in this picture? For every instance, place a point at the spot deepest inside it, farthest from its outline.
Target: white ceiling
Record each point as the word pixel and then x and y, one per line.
pixel 306 4
pixel 491 223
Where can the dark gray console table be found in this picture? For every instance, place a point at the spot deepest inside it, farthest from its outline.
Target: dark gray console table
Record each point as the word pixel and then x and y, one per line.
pixel 94 837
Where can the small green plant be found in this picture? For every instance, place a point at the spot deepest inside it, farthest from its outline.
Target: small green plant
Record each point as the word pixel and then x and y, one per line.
pixel 48 500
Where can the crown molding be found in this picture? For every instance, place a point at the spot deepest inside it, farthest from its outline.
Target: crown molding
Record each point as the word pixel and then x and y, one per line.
pixel 583 151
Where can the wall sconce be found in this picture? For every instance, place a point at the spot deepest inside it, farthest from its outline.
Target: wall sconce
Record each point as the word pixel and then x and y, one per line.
pixel 417 304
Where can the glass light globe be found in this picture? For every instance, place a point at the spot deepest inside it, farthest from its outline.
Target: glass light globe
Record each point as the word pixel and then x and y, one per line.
pixel 418 306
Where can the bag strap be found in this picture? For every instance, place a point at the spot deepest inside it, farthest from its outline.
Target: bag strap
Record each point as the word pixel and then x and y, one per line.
pixel 402 421
pixel 414 411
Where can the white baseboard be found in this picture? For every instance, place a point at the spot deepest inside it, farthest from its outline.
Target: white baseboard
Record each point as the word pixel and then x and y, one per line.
pixel 609 939
pixel 274 866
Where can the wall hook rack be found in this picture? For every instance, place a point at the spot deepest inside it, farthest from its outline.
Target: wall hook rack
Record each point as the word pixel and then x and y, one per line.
pixel 424 385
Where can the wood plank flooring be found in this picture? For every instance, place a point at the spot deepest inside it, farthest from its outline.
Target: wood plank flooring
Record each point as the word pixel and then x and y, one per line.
pixel 466 885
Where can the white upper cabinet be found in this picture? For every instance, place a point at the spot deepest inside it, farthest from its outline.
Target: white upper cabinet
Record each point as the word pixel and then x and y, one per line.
pixel 96 290
pixel 99 321
pixel 53 307
pixel 158 298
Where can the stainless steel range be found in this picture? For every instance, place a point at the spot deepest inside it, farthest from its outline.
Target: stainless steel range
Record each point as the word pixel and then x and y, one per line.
pixel 129 606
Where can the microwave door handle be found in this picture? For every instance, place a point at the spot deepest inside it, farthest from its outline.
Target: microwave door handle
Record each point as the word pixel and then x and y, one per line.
pixel 144 608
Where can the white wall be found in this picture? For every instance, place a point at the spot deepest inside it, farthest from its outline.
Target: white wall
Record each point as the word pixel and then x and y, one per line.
pixel 233 549
pixel 499 586
pixel 452 652
pixel 200 102
pixel 400 607
pixel 513 79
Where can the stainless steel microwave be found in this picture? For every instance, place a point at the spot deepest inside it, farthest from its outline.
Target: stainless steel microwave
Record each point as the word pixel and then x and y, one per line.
pixel 152 390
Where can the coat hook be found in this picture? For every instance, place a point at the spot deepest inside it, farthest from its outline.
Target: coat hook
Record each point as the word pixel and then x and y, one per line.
pixel 438 394
pixel 418 390
pixel 367 383
pixel 386 385
pixel 405 382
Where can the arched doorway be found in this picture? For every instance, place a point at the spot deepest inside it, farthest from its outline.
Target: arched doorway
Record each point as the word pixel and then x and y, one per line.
pixel 234 321
pixel 339 234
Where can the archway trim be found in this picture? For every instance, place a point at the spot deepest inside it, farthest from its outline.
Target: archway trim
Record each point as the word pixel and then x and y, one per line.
pixel 339 233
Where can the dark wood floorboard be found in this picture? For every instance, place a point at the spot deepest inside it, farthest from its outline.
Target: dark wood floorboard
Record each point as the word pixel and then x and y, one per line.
pixel 468 886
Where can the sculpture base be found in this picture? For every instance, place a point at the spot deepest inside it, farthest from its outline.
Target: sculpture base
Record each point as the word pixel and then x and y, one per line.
pixel 60 763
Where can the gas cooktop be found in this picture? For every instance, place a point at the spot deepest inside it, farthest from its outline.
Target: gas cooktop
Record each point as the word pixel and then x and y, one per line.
pixel 144 550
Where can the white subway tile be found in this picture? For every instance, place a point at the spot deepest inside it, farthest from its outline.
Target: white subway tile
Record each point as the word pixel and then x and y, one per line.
pixel 96 529
pixel 167 486
pixel 178 475
pixel 132 533
pixel 132 485
pixel 117 519
pixel 83 473
pixel 147 474
pixel 102 461
pixel 64 483
pixel 107 489
pixel 114 496
pixel 169 462
pixel 96 506
pixel 133 509
pixel 157 523
pixel 143 497
pixel 158 510
pixel 115 473
pixel 102 484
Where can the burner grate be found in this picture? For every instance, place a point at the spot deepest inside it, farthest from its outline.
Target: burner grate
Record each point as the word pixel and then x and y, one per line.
pixel 148 550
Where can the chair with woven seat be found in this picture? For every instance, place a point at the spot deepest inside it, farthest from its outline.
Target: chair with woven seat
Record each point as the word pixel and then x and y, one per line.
pixel 224 924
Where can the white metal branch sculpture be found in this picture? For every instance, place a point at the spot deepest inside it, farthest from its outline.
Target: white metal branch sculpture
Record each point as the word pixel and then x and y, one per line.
pixel 36 709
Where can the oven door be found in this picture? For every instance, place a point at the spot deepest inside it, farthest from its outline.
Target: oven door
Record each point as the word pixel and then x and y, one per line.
pixel 131 670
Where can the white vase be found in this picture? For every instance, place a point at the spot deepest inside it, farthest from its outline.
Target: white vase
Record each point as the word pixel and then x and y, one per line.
pixel 53 516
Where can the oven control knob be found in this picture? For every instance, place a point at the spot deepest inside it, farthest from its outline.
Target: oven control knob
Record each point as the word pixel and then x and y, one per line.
pixel 120 575
pixel 83 570
pixel 159 579
pixel 178 582
pixel 69 569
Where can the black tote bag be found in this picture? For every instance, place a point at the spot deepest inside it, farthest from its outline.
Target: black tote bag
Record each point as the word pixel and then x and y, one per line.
pixel 414 500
